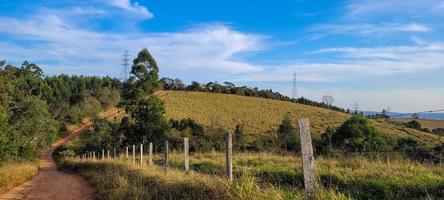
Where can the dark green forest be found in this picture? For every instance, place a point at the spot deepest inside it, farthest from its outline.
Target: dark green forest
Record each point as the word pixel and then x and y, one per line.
pixel 35 109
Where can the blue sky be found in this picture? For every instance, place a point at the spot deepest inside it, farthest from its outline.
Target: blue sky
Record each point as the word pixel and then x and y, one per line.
pixel 379 53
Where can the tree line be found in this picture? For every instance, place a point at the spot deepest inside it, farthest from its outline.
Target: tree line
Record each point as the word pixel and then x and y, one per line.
pixel 35 108
pixel 231 88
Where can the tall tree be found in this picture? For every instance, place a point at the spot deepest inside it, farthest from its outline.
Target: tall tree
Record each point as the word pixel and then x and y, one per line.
pixel 138 99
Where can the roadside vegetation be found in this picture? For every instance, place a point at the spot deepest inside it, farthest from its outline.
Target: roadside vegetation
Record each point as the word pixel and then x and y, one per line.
pixel 120 179
pixel 14 174
pixel 36 110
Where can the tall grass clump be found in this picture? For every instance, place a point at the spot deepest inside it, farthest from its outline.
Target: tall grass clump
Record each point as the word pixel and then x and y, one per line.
pixel 13 174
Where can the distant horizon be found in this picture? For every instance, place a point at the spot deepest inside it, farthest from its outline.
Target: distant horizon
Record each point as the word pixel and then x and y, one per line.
pixel 377 53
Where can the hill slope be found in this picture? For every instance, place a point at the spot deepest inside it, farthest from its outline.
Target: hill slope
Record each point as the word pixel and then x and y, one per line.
pixel 259 115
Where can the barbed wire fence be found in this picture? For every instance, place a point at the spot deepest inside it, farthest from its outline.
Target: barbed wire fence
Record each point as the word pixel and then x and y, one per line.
pixel 146 157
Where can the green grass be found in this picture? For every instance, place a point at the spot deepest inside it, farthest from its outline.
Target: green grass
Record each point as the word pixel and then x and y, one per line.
pixel 357 176
pixel 263 116
pixel 13 174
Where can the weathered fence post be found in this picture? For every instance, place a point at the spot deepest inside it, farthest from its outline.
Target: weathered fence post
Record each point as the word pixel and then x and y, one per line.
pixel 141 154
pixel 103 154
pixel 114 153
pixel 150 155
pixel 186 154
pixel 126 152
pixel 134 154
pixel 165 162
pixel 308 164
pixel 94 155
pixel 108 153
pixel 229 156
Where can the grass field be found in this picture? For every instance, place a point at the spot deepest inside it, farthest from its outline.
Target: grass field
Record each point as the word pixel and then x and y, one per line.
pixel 15 173
pixel 262 116
pixel 425 123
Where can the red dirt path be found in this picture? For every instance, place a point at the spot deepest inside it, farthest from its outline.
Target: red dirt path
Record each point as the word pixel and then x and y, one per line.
pixel 51 183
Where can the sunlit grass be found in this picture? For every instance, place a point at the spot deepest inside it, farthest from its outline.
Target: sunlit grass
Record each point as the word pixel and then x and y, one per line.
pixel 262 116
pixel 357 176
pixel 15 173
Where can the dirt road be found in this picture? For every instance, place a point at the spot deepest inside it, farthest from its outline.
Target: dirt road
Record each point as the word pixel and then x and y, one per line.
pixel 51 183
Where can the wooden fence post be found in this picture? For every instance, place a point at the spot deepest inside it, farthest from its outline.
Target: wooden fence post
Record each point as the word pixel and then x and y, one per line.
pixel 141 154
pixel 126 152
pixel 165 162
pixel 150 155
pixel 308 165
pixel 134 154
pixel 114 153
pixel 103 154
pixel 108 153
pixel 229 156
pixel 94 155
pixel 187 155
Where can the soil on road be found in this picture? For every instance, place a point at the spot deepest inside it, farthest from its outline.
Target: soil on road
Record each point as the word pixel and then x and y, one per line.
pixel 51 183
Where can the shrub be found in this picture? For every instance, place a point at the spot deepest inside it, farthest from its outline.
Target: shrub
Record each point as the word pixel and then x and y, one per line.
pixel 287 135
pixel 438 131
pixel 356 134
pixel 413 124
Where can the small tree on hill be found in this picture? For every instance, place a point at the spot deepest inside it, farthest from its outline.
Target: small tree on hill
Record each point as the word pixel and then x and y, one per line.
pixel 238 136
pixel 287 135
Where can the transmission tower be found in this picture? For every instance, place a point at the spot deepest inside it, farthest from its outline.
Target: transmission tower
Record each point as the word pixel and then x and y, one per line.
pixel 295 92
pixel 125 66
pixel 356 106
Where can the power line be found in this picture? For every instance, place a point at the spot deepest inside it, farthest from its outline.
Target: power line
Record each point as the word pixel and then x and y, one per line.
pixel 417 113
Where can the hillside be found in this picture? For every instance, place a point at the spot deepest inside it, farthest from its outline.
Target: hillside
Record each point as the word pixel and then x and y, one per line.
pixel 260 115
pixel 425 123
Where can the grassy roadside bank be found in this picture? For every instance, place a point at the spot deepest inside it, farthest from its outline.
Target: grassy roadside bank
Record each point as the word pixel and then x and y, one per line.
pixel 116 179
pixel 119 179
pixel 357 176
pixel 13 174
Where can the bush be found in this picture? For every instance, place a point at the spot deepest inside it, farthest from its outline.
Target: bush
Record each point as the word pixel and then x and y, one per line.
pixel 356 134
pixel 413 124
pixel 287 135
pixel 438 131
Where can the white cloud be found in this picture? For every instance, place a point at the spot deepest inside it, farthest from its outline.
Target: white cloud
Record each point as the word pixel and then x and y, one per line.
pixel 131 7
pixel 359 9
pixel 207 50
pixel 356 63
pixel 370 29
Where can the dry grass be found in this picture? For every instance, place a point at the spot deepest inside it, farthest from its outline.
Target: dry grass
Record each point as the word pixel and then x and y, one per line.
pixel 259 115
pixel 15 173
pixel 262 176
pixel 358 176
pixel 118 179
pixel 425 123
